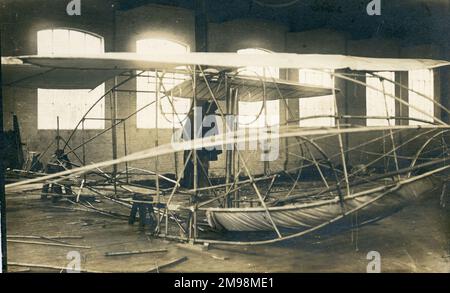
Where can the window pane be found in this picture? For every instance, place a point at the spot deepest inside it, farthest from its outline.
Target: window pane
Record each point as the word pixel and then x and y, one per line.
pixel 77 42
pixel 248 111
pixel 45 44
pixel 377 104
pixel 60 41
pixel 147 88
pixel 422 82
pixel 94 45
pixel 316 106
pixel 69 105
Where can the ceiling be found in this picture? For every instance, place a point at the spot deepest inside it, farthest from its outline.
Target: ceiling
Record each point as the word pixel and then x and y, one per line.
pixel 417 21
pixel 412 21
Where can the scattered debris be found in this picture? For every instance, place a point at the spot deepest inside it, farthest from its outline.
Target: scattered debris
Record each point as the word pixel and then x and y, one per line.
pixel 118 253
pixel 49 244
pixel 45 237
pixel 25 270
pixel 201 249
pixel 59 268
pixel 166 264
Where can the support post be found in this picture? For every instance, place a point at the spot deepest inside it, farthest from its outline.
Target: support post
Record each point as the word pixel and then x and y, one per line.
pixel 84 145
pixel 125 148
pixel 201 26
pixel 58 137
pixel 114 133
pixel 234 159
pixel 3 250
pixel 157 106
pixel 194 154
pixel 229 153
pixel 341 146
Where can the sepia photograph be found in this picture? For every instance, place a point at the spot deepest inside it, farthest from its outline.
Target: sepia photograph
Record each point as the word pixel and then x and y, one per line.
pixel 207 136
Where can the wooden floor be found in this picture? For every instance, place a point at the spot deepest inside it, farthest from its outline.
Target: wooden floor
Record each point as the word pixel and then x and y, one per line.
pixel 417 239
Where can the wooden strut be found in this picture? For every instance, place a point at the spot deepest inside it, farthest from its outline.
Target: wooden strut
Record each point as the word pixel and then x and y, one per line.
pixel 113 105
pixel 341 148
pixel 361 117
pixel 166 210
pixel 157 90
pixel 133 252
pixel 193 224
pixel 416 157
pixel 177 183
pixel 45 237
pixel 259 195
pixel 391 135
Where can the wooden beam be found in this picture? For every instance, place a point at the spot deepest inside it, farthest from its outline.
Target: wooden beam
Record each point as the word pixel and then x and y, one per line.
pixel 166 264
pixel 39 266
pixel 48 244
pixel 3 243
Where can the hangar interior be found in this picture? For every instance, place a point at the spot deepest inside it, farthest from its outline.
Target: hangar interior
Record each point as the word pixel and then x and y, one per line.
pixel 375 126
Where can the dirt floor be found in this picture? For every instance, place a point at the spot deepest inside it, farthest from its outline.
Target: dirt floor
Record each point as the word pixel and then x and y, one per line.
pixel 416 239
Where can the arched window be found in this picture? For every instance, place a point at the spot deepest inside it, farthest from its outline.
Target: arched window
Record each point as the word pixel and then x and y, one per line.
pixel 147 87
pixel 248 111
pixel 378 104
pixel 69 105
pixel 316 106
pixel 421 81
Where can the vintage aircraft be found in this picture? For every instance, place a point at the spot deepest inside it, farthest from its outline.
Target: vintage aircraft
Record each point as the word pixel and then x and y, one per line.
pixel 282 202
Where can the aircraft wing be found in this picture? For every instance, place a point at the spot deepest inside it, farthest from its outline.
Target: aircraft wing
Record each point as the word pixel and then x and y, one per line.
pixel 134 61
pixel 70 71
pixel 249 89
pixel 16 73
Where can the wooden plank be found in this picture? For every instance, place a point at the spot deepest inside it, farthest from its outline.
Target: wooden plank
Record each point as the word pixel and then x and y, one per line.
pixel 118 253
pixel 199 249
pixel 48 244
pixel 43 266
pixel 46 237
pixel 166 264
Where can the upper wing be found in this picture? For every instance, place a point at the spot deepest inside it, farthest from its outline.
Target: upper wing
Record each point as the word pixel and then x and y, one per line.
pixel 133 61
pixel 88 71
